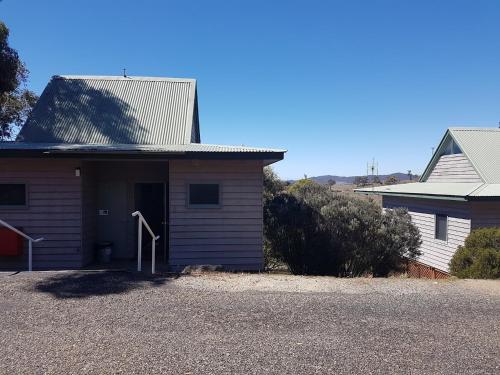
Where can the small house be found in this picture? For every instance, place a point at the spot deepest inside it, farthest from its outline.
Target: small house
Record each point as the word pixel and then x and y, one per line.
pixel 459 191
pixel 97 149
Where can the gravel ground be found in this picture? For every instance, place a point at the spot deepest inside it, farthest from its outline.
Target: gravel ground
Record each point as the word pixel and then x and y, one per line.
pixel 117 322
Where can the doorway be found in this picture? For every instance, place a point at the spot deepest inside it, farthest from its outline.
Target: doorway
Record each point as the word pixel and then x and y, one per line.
pixel 150 200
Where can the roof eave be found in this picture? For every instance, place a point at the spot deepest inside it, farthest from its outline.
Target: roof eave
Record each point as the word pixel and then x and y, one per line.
pixel 415 195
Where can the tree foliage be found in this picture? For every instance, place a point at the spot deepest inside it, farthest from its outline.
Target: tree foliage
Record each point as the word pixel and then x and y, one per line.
pixel 315 231
pixel 360 181
pixel 16 102
pixel 391 180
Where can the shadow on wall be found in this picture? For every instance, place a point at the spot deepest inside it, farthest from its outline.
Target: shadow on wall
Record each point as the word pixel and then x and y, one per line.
pixel 74 111
pixel 76 285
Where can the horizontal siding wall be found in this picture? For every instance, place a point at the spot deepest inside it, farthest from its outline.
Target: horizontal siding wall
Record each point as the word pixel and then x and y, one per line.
pixel 53 211
pixel 436 253
pixel 485 214
pixel 454 168
pixel 231 235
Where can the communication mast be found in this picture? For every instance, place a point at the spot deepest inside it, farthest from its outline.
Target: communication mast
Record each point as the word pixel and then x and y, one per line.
pixel 372 168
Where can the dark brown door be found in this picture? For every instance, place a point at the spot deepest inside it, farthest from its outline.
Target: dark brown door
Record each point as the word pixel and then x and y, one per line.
pixel 150 201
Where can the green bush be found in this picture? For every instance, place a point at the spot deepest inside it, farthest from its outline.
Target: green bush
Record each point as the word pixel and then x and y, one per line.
pixel 480 257
pixel 314 231
pixel 294 232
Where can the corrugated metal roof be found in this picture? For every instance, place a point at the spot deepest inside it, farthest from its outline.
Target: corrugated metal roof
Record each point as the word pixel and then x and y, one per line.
pixel 442 190
pixel 487 191
pixel 114 110
pixel 482 147
pixel 192 147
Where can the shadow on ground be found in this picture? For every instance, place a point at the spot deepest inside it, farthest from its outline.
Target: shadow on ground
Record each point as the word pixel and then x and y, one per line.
pixel 87 284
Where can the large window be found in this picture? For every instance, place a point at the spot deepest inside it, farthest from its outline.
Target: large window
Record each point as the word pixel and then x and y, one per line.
pixel 441 231
pixel 204 195
pixel 12 195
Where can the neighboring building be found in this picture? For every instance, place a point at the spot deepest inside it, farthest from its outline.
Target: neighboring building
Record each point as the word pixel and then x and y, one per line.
pixel 96 149
pixel 458 191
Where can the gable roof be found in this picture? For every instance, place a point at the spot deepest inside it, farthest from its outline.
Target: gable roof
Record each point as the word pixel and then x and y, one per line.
pixel 115 110
pixel 480 145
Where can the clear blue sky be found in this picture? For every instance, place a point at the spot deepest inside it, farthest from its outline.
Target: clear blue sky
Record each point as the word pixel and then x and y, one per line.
pixel 334 82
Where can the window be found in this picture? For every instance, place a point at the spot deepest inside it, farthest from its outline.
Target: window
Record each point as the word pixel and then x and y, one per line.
pixel 441 231
pixel 12 195
pixel 204 195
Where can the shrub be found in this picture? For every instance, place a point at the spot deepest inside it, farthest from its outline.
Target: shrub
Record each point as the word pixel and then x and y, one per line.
pixel 312 193
pixel 294 231
pixel 368 240
pixel 314 231
pixel 480 257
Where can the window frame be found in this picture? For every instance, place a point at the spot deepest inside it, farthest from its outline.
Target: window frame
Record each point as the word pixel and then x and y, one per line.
pixel 195 205
pixel 26 195
pixel 436 227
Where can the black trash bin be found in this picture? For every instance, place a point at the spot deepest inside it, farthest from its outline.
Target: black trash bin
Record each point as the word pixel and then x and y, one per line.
pixel 104 252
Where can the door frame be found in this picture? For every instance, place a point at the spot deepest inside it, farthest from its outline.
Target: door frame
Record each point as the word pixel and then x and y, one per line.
pixel 165 220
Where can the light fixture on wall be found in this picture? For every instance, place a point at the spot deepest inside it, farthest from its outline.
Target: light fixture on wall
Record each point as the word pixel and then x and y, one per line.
pixel 78 171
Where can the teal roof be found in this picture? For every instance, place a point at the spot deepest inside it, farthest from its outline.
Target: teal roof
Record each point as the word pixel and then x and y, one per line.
pixel 480 145
pixel 437 190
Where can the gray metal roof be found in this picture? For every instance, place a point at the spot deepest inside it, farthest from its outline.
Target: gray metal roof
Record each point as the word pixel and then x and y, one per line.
pixel 191 147
pixel 126 151
pixel 115 110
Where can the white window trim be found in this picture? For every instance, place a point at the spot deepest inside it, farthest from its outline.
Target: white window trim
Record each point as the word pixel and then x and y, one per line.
pixel 435 227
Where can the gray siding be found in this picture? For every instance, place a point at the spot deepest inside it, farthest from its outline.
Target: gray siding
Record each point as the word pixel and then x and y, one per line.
pixel 436 253
pixel 89 211
pixel 53 211
pixel 115 182
pixel 453 168
pixel 230 235
pixel 485 214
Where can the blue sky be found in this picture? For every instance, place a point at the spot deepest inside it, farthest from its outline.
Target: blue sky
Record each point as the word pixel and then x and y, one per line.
pixel 334 82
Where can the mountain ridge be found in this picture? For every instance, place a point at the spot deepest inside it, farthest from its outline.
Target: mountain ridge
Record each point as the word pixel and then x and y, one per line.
pixel 323 179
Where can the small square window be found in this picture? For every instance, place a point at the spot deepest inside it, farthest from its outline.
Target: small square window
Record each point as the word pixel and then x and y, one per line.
pixel 12 195
pixel 204 195
pixel 441 230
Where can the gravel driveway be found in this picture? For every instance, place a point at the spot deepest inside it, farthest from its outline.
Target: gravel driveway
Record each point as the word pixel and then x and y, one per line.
pixel 117 322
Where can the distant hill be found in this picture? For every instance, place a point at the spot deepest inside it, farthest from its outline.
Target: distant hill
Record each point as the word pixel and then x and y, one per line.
pixel 350 179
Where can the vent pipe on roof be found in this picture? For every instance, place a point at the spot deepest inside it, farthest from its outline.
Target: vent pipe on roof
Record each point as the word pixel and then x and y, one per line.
pixel 124 73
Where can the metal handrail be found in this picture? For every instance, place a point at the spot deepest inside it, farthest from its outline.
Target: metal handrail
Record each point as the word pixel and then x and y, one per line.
pixel 30 242
pixel 155 238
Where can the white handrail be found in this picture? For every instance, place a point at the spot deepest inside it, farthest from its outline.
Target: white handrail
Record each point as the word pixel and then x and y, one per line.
pixel 139 242
pixel 30 242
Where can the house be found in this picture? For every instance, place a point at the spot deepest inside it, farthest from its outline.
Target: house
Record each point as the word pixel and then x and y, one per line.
pixel 459 191
pixel 96 149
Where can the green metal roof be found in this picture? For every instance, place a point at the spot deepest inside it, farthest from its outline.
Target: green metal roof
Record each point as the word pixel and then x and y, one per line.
pixel 440 190
pixel 480 145
pixel 437 190
pixel 115 110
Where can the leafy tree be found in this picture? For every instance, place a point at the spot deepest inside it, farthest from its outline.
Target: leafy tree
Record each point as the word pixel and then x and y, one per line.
pixel 272 183
pixel 16 102
pixel 332 182
pixel 391 180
